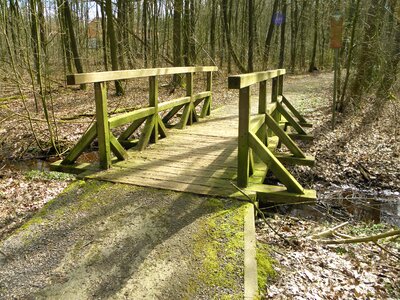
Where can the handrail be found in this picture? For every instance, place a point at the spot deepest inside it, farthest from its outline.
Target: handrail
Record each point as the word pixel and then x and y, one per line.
pixel 245 80
pixel 83 78
pixel 154 125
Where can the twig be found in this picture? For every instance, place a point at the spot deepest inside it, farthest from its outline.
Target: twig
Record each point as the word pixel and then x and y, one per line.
pixel 263 216
pixel 329 231
pixel 386 250
pixel 2 253
pixel 373 238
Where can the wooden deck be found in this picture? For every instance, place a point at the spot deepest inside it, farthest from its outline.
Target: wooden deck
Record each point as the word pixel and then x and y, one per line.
pixel 200 159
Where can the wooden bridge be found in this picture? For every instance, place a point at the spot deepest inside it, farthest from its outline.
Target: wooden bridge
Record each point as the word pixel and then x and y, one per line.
pixel 203 153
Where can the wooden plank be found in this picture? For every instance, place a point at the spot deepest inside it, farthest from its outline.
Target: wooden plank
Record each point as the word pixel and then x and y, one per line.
pixel 58 166
pixel 83 78
pixel 173 103
pixel 245 80
pixel 117 148
pixel 195 165
pixel 162 130
pixel 296 151
pixel 303 137
pixel 290 119
pixel 292 160
pixel 153 102
pixel 131 116
pixel 243 138
pixel 173 112
pixel 275 165
pixel 206 110
pixel 279 194
pixel 103 130
pixel 131 129
pixel 146 134
pixel 256 122
pixel 201 95
pixel 83 143
pixel 294 111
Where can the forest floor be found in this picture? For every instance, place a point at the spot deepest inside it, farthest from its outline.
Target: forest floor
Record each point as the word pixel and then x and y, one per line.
pixel 356 177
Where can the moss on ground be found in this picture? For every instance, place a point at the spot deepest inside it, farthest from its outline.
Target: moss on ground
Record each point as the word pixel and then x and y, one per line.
pixel 219 246
pixel 264 265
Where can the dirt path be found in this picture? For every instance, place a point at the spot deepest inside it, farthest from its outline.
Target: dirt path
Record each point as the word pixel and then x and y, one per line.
pixel 99 240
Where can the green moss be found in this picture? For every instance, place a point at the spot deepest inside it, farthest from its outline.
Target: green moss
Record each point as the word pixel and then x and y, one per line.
pixel 220 246
pixel 264 265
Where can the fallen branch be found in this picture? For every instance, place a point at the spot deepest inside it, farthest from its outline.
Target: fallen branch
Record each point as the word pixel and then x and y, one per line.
pixel 387 250
pixel 329 231
pixel 373 238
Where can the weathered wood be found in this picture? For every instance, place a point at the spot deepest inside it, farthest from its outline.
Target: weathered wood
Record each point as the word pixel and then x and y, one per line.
pixel 275 165
pixel 173 112
pixel 302 137
pixel 206 110
pixel 131 129
pixel 146 134
pixel 290 119
pixel 117 148
pixel 292 160
pixel 173 103
pixel 81 146
pixel 280 85
pixel 153 102
pixel 296 151
pixel 59 166
pixel 245 80
pixel 293 110
pixel 103 130
pixel 279 194
pixel 256 122
pixel 243 137
pixel 83 78
pixel 131 116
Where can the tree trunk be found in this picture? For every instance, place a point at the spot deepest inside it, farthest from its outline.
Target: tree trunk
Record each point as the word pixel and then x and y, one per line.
pixel 228 37
pixel 283 35
pixel 72 39
pixel 268 39
pixel 250 65
pixel 177 38
pixel 313 67
pixel 212 30
pixel 113 46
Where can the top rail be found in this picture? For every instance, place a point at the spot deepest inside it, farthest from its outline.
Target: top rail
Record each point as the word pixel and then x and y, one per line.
pixel 83 78
pixel 245 80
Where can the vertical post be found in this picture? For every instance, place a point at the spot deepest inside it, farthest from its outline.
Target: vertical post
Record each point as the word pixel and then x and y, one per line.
pixel 274 97
pixel 280 87
pixel 274 90
pixel 153 101
pixel 189 93
pixel 206 111
pixel 243 139
pixel 103 131
pixel 262 108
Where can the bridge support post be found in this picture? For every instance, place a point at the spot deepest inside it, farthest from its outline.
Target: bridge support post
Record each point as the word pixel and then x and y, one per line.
pixel 103 130
pixel 262 109
pixel 243 138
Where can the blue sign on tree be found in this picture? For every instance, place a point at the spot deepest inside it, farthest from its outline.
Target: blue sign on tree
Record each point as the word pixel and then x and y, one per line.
pixel 278 18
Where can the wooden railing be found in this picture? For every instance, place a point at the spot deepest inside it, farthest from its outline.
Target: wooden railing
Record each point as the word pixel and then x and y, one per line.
pixel 264 131
pixel 154 126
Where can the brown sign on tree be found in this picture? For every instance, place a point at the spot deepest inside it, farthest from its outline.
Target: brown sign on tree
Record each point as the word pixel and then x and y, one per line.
pixel 336 31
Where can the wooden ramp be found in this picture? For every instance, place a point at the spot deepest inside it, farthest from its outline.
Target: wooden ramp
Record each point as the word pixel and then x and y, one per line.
pixel 200 159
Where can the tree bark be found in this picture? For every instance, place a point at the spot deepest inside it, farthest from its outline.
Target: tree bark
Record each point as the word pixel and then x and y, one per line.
pixel 250 64
pixel 283 35
pixel 313 67
pixel 268 39
pixel 113 46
